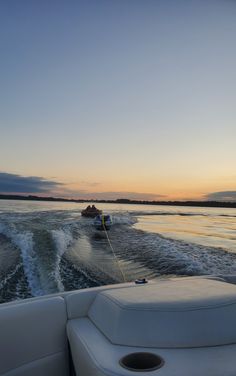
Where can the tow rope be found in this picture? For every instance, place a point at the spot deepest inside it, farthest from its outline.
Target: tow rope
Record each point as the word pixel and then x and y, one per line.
pixel 113 251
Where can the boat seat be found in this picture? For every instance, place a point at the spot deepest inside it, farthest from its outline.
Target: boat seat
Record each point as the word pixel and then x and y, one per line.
pixel 94 355
pixel 180 313
pixel 33 338
pixel 191 324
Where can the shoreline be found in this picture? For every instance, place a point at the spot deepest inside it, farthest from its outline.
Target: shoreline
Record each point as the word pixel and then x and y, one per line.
pixel 213 204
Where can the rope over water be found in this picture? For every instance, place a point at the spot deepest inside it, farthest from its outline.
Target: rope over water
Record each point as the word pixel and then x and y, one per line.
pixel 113 251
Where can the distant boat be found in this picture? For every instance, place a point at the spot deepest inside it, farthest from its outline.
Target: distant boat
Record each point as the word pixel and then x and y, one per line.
pixel 103 222
pixel 91 212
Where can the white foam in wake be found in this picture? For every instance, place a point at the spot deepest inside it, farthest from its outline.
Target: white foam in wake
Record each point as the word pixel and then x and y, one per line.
pixel 24 241
pixel 62 239
pixel 10 275
pixel 123 219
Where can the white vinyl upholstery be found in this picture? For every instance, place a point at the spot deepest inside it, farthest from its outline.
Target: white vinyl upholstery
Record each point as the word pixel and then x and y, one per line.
pixel 94 355
pixel 189 322
pixel 79 302
pixel 51 365
pixel 172 314
pixel 33 338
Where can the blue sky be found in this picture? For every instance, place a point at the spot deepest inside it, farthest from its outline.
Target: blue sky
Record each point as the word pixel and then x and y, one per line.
pixel 120 96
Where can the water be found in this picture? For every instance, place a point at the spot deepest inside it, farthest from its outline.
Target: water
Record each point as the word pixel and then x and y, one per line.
pixel 46 247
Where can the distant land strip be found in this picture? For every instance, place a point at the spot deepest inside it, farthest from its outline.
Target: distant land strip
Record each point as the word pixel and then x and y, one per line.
pixel 213 204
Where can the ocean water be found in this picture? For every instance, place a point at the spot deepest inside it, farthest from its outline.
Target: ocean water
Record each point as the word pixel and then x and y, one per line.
pixel 47 247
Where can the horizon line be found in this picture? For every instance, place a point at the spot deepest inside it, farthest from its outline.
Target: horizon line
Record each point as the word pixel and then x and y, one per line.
pixel 213 203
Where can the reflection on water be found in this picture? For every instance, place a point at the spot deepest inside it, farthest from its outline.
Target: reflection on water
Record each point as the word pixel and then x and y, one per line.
pixel 206 230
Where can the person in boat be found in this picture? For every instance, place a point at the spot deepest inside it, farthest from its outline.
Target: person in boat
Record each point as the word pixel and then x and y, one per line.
pixel 91 211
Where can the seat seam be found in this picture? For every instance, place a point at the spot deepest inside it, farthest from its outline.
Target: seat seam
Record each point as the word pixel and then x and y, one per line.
pixel 124 308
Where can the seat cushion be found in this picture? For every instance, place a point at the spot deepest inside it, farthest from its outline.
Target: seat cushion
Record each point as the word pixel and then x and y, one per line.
pixel 33 337
pixel 180 313
pixel 94 355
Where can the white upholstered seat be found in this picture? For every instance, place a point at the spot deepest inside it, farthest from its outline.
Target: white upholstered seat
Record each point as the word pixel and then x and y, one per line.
pixel 33 338
pixel 189 323
pixel 181 313
pixel 94 355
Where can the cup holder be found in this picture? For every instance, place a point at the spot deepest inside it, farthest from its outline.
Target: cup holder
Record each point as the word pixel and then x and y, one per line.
pixel 141 362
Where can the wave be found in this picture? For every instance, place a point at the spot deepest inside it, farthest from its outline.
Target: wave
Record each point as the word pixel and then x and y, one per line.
pixel 123 219
pixel 181 214
pixel 63 251
pixel 10 275
pixel 62 239
pixel 169 256
pixel 141 213
pixel 24 241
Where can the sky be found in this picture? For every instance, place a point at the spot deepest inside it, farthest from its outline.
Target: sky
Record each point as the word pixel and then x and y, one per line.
pixel 118 98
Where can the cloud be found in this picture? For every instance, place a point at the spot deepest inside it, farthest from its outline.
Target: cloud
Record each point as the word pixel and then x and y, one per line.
pixel 221 196
pixel 17 184
pixel 12 183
